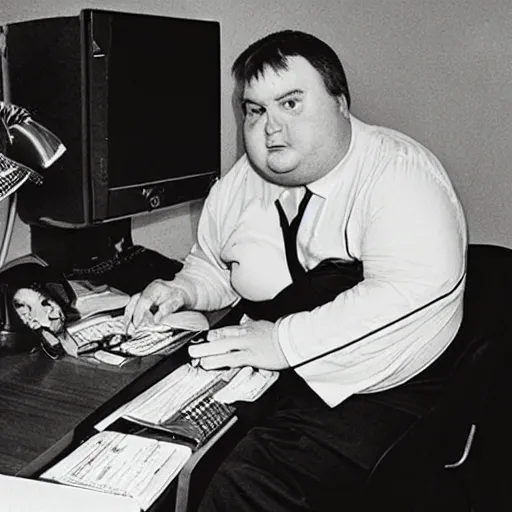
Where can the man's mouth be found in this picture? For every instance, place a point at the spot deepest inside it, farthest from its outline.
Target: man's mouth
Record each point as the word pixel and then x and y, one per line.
pixel 275 147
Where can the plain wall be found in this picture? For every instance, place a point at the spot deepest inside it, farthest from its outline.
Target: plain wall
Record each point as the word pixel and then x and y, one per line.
pixel 439 71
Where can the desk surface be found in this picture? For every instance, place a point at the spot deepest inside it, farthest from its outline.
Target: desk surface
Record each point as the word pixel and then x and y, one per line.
pixel 46 404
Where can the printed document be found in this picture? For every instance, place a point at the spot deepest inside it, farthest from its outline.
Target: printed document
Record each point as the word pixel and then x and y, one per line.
pixel 122 464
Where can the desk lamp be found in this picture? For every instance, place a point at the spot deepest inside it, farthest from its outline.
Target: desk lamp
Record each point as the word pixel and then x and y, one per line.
pixel 24 146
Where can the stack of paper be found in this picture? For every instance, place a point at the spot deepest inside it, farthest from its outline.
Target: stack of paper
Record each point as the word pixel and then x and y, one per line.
pixel 92 299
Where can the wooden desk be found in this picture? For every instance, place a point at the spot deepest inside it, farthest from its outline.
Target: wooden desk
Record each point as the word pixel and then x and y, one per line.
pixel 45 405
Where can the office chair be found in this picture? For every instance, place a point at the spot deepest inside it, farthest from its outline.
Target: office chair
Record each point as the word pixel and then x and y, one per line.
pixel 452 458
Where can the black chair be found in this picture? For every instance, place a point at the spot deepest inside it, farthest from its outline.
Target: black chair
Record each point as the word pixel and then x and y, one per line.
pixel 455 458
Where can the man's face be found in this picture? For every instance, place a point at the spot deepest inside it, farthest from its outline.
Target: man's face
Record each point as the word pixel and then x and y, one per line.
pixel 295 132
pixel 37 311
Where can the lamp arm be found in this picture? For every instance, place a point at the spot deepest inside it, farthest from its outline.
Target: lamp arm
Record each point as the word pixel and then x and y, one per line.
pixel 28 144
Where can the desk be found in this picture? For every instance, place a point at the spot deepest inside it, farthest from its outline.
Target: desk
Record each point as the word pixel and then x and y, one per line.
pixel 45 405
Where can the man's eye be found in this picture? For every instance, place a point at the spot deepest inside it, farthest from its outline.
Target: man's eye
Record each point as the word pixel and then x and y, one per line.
pixel 291 104
pixel 253 110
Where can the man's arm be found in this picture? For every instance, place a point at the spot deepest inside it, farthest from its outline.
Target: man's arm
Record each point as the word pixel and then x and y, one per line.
pixel 205 278
pixel 408 307
pixel 203 283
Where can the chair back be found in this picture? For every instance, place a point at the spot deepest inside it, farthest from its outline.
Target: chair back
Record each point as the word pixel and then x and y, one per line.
pixel 418 468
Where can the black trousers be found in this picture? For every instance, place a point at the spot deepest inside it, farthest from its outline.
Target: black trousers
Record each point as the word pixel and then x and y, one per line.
pixel 302 455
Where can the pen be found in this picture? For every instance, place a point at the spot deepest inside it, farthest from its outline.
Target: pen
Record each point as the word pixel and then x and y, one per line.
pixel 88 348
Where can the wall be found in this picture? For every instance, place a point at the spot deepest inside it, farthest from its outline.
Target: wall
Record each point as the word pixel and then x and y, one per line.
pixel 439 71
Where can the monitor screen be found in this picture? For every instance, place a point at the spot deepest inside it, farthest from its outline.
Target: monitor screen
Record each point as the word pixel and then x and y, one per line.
pixel 162 97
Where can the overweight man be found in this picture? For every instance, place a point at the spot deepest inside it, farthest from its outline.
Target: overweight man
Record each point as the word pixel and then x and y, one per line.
pixel 345 243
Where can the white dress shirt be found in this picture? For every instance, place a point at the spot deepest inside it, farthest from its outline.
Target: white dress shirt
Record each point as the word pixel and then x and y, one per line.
pixel 388 203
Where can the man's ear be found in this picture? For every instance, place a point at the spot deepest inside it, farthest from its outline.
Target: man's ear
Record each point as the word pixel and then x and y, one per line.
pixel 343 105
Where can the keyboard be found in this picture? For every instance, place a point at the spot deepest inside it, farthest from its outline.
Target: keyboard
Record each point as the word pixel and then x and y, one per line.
pixel 100 267
pixel 183 403
pixel 205 415
pixel 129 270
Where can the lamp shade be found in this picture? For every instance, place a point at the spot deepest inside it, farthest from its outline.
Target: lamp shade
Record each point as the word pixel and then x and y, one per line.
pixel 24 145
pixel 33 145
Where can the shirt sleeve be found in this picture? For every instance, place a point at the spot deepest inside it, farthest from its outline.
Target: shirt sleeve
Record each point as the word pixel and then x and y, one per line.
pixel 205 277
pixel 413 247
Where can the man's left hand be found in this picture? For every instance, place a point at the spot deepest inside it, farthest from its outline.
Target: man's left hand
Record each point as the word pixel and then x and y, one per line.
pixel 250 344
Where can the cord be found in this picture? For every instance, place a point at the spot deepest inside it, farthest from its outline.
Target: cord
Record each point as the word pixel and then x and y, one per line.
pixel 9 228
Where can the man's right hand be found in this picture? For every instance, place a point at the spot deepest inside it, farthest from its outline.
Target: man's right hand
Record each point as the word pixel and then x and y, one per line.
pixel 156 301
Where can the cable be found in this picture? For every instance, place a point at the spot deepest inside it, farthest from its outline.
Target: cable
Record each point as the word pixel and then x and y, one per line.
pixel 9 228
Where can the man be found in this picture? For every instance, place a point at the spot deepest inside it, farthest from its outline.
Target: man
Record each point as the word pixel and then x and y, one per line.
pixel 368 195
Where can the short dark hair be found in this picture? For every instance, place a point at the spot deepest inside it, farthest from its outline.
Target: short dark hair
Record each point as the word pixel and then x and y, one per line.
pixel 274 49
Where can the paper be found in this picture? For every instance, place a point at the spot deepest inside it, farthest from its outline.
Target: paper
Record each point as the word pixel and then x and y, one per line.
pixel 246 386
pixel 122 464
pixel 162 401
pixel 26 495
pixel 92 299
pixel 192 321
pixel 107 339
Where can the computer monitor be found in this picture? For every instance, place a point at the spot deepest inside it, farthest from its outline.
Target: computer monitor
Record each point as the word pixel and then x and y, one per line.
pixel 135 99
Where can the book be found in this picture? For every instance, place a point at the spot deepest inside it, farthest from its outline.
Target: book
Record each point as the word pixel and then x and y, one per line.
pixel 114 463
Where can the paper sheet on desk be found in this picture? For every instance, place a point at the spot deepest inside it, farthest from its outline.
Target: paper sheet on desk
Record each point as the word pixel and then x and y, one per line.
pixel 88 336
pixel 187 320
pixel 26 495
pixel 246 386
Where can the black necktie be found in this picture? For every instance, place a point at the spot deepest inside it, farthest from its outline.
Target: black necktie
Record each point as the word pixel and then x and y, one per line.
pixel 290 235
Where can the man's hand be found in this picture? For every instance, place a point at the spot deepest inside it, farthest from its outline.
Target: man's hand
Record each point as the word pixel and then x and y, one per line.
pixel 250 344
pixel 156 301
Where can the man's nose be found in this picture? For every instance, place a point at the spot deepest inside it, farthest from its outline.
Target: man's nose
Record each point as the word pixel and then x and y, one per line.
pixel 273 124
